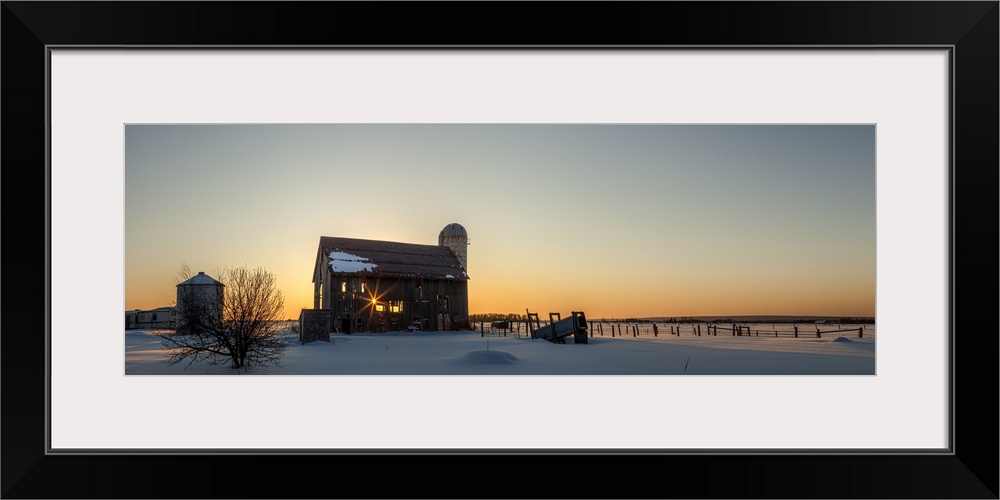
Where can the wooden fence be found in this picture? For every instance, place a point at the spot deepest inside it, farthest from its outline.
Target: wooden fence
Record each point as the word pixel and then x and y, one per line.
pixel 643 329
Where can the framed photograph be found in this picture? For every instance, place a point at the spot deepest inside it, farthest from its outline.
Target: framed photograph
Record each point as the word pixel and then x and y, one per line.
pixel 867 130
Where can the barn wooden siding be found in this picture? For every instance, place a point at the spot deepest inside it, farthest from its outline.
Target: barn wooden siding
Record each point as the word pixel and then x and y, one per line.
pixel 424 304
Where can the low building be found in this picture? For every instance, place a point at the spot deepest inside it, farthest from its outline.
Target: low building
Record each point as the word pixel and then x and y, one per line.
pixel 374 286
pixel 161 317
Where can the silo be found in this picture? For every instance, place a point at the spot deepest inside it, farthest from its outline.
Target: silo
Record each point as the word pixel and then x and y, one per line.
pixel 199 303
pixel 454 237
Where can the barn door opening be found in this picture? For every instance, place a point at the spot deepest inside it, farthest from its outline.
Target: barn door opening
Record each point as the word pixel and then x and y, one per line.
pixel 443 315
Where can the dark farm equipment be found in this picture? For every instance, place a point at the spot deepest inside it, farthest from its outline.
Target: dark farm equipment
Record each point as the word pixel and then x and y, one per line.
pixel 558 328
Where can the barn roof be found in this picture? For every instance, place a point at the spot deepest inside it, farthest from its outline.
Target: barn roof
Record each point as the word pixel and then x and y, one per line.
pixel 389 258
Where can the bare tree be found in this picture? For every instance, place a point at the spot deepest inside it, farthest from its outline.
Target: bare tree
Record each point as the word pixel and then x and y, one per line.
pixel 183 273
pixel 240 324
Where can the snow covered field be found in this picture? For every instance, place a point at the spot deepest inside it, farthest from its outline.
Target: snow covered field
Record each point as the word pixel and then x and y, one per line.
pixel 471 353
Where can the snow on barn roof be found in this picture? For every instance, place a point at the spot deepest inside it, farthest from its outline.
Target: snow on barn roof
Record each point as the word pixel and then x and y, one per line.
pixel 200 279
pixel 343 262
pixel 389 258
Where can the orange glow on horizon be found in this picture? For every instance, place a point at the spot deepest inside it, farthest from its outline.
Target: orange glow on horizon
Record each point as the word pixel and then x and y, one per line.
pixel 822 298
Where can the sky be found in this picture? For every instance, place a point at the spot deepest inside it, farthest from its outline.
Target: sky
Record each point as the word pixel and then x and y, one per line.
pixel 615 220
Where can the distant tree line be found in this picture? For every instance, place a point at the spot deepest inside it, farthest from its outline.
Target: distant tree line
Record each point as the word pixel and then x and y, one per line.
pixel 866 321
pixel 490 317
pixel 688 319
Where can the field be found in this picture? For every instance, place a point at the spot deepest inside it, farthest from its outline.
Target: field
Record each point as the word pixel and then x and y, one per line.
pixel 612 349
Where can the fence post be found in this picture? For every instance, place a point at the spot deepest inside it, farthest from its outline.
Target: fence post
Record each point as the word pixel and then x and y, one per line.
pixel 817 332
pixel 796 331
pixel 860 334
pixel 656 332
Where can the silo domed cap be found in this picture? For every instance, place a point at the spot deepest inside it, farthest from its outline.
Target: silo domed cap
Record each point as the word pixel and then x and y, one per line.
pixel 454 229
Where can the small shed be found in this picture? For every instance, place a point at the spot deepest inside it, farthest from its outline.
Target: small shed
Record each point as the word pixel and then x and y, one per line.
pixel 314 324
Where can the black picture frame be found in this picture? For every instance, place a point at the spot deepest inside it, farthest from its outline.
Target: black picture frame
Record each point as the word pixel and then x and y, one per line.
pixel 970 29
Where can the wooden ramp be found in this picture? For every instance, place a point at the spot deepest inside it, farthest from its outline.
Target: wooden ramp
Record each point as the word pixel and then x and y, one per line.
pixel 558 329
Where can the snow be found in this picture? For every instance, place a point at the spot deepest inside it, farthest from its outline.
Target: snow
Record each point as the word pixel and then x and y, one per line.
pixel 449 276
pixel 343 262
pixel 475 353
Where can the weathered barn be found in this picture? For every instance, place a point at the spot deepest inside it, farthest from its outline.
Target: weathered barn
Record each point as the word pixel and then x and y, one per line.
pixel 372 286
